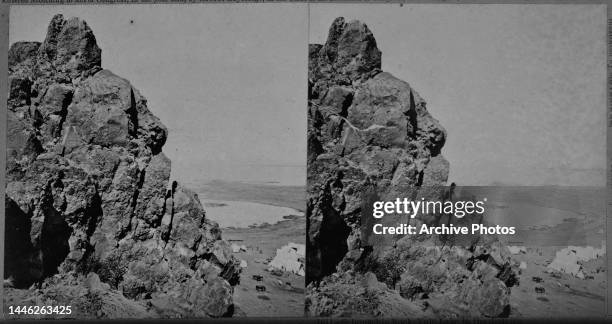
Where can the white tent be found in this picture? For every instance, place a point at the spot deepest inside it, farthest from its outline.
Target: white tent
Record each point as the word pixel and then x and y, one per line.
pixel 569 260
pixel 517 249
pixel 290 258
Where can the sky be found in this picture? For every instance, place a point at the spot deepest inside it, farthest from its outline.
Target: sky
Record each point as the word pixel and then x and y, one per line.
pixel 228 80
pixel 520 89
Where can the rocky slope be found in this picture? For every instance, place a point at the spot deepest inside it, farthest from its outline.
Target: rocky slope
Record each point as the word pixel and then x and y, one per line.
pixel 89 195
pixel 370 135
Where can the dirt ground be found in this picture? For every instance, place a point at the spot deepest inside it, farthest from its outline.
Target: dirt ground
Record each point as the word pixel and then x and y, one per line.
pixel 284 295
pixel 564 295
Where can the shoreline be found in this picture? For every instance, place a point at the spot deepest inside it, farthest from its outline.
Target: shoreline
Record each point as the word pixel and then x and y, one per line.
pixel 283 294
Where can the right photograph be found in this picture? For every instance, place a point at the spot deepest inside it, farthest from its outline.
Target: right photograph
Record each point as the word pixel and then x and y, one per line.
pixel 456 161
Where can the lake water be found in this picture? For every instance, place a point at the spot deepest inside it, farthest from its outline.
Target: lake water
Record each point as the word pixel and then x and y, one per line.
pixel 528 216
pixel 545 215
pixel 243 214
pixel 547 226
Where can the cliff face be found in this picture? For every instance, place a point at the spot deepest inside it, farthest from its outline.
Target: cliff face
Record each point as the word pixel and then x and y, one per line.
pixel 370 135
pixel 88 189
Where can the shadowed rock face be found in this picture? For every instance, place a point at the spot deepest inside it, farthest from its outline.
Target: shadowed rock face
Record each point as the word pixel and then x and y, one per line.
pixel 88 188
pixel 370 135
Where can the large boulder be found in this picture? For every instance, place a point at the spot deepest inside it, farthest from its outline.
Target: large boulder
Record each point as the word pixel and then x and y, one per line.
pixel 89 190
pixel 103 111
pixel 22 51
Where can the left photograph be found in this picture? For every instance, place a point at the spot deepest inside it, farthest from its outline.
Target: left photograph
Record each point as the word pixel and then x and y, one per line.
pixel 156 161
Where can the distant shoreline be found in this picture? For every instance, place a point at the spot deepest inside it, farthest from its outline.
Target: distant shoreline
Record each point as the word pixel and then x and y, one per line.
pixel 264 193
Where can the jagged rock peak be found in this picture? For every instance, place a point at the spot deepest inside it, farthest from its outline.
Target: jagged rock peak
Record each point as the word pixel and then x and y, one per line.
pixel 71 44
pixel 351 47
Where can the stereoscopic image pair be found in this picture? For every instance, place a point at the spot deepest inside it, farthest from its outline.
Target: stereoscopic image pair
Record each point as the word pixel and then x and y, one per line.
pixel 193 161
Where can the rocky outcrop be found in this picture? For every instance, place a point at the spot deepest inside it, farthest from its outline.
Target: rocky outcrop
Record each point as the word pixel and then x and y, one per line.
pixel 89 190
pixel 96 299
pixel 370 135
